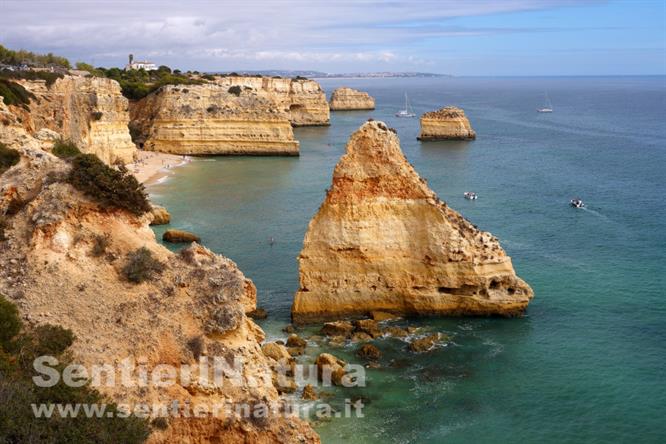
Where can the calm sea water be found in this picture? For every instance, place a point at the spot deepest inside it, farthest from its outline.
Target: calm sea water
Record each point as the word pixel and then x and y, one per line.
pixel 588 361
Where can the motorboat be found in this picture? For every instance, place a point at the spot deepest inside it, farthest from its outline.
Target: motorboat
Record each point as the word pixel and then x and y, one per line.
pixel 576 203
pixel 469 195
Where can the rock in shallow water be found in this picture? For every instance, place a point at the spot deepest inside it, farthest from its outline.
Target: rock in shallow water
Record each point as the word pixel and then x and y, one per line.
pixel 180 236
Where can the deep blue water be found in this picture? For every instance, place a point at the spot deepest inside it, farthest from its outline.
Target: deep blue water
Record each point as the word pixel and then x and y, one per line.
pixel 588 361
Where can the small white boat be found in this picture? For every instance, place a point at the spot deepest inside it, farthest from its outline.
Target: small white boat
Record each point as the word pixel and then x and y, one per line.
pixel 469 195
pixel 548 107
pixel 408 111
pixel 576 203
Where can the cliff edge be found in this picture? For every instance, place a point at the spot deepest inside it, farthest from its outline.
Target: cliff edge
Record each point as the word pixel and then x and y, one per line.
pixel 210 120
pixel 89 111
pixel 98 271
pixel 382 240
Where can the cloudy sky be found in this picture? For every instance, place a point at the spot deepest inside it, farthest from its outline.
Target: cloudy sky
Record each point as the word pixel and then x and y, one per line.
pixel 464 37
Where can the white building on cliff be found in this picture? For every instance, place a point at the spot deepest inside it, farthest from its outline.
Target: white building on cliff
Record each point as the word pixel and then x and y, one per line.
pixel 137 64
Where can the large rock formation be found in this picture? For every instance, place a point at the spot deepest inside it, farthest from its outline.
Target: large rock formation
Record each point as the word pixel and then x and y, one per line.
pixel 90 111
pixel 446 124
pixel 303 100
pixel 382 240
pixel 347 99
pixel 209 120
pixel 55 268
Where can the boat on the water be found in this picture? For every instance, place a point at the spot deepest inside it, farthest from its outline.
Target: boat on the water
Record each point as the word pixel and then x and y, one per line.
pixel 408 111
pixel 548 106
pixel 470 195
pixel 576 203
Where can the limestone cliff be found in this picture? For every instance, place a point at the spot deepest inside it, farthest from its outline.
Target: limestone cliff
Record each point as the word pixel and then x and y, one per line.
pixel 382 240
pixel 347 99
pixel 209 120
pixel 444 124
pixel 303 100
pixel 90 111
pixel 61 262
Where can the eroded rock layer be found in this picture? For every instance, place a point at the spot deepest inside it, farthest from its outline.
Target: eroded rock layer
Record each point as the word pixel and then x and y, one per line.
pixel 62 262
pixel 303 100
pixel 448 123
pixel 90 111
pixel 382 240
pixel 209 120
pixel 348 99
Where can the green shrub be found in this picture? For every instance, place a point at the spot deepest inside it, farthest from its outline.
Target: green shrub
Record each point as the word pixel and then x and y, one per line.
pixel 100 244
pixel 20 56
pixel 8 157
pixel 208 77
pixel 3 226
pixel 141 266
pixel 65 149
pixel 10 323
pixel 52 340
pixel 109 187
pixel 235 90
pixel 14 94
pixel 18 392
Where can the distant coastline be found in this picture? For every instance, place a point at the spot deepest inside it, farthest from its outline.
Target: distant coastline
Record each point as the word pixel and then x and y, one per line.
pixel 327 75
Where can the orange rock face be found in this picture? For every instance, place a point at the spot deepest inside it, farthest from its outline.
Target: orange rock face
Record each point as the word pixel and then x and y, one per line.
pixel 382 240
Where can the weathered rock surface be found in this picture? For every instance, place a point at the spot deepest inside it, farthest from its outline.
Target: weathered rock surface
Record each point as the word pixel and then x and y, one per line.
pixel 382 240
pixel 47 269
pixel 180 236
pixel 208 120
pixel 369 352
pixel 330 368
pixel 90 111
pixel 348 99
pixel 424 344
pixel 303 100
pixel 160 215
pixel 446 124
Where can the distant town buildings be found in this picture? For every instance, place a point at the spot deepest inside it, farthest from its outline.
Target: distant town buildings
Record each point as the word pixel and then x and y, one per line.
pixel 137 64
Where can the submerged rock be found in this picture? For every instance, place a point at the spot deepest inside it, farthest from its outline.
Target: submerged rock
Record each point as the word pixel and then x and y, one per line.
pixel 295 341
pixel 424 344
pixel 369 352
pixel 258 313
pixel 445 124
pixel 309 393
pixel 348 99
pixel 338 328
pixel 382 240
pixel 180 236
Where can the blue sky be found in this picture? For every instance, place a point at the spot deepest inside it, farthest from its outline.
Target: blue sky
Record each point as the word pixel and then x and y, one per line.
pixel 473 37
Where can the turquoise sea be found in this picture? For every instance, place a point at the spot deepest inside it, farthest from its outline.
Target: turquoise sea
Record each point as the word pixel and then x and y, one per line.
pixel 588 361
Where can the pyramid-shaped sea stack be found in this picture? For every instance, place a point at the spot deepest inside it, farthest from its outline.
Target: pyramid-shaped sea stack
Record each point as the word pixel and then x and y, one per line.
pixel 382 240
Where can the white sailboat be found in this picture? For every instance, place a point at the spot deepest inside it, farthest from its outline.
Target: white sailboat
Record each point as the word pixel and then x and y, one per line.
pixel 408 111
pixel 548 107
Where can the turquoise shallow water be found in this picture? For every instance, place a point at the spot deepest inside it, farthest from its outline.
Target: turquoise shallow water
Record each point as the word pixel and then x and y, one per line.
pixel 588 361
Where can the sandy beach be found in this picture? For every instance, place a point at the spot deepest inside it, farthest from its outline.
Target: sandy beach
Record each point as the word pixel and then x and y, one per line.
pixel 150 166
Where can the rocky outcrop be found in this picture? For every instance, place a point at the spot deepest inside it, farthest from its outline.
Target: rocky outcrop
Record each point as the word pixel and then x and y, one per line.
pixel 448 123
pixel 193 311
pixel 348 99
pixel 90 111
pixel 160 215
pixel 209 120
pixel 303 100
pixel 382 240
pixel 180 236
